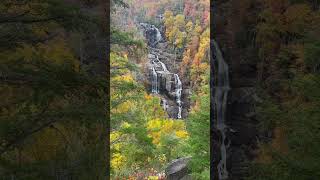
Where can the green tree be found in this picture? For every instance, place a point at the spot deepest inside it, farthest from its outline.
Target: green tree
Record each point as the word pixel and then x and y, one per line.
pixel 198 126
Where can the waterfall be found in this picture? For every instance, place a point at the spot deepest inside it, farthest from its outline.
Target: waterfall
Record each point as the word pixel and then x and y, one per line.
pixel 159 37
pixel 155 88
pixel 164 104
pixel 178 93
pixel 153 35
pixel 163 66
pixel 221 93
pixel 178 85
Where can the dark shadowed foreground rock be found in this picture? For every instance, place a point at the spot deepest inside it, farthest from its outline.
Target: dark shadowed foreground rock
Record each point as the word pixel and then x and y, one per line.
pixel 178 169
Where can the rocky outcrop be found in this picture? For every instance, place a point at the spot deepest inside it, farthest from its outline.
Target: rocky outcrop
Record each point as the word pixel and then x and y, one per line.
pixel 152 34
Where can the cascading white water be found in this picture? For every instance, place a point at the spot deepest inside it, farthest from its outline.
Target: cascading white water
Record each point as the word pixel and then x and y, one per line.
pixel 156 64
pixel 159 37
pixel 221 94
pixel 163 66
pixel 178 93
pixel 155 88
pixel 164 104
pixel 178 86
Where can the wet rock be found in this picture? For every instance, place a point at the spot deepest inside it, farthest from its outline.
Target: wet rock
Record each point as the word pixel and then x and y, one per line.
pixel 151 56
pixel 187 92
pixel 172 111
pixel 151 33
pixel 162 45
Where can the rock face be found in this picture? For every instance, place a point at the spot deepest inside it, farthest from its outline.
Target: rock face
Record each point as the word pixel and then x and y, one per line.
pixel 152 34
pixel 229 23
pixel 178 170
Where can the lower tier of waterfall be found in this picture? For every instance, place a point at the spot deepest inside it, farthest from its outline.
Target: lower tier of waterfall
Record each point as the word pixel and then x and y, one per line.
pixel 155 87
pixel 159 71
pixel 178 86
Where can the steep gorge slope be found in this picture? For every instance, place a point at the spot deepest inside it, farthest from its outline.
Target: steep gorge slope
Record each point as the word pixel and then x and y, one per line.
pixel 233 21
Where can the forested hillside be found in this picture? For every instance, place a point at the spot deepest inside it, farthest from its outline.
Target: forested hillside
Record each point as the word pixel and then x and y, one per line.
pixel 289 69
pixel 160 107
pixel 53 88
pixel 272 48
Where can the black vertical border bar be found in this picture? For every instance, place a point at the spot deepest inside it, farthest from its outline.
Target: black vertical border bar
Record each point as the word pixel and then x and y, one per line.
pixel 212 98
pixel 106 28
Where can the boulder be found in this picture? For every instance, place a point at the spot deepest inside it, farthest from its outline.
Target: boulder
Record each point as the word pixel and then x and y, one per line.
pixel 178 169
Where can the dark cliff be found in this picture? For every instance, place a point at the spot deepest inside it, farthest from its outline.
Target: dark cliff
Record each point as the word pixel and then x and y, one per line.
pixel 233 29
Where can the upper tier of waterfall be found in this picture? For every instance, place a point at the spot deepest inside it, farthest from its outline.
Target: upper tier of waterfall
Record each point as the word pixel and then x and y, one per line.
pixel 152 34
